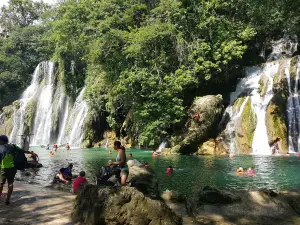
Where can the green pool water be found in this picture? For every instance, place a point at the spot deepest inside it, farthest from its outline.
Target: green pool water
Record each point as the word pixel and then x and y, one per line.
pixel 190 174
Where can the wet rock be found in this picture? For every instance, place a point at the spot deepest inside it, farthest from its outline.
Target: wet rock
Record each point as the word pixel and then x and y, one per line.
pixel 210 110
pixel 124 205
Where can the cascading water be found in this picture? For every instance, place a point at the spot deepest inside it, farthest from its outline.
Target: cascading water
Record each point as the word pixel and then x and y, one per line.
pixel 75 126
pixel 19 114
pixel 68 127
pixel 161 146
pixel 43 118
pixel 260 144
pixel 293 109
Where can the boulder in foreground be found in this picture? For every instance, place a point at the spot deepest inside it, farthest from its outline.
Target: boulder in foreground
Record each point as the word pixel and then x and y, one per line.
pixel 124 205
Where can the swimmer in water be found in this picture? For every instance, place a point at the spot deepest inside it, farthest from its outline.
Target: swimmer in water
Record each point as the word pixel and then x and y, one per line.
pixel 240 170
pixel 130 155
pixel 250 172
pixel 169 170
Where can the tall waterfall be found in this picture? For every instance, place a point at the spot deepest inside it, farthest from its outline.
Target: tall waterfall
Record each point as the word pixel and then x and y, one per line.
pixel 55 118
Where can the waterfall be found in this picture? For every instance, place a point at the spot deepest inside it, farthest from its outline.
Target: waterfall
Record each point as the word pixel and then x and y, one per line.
pixel 43 119
pixel 75 126
pixel 293 109
pixel 260 144
pixel 161 146
pixel 19 114
pixel 62 128
pixel 56 118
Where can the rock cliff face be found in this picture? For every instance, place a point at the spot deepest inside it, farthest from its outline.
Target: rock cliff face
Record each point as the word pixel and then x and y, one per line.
pixel 197 130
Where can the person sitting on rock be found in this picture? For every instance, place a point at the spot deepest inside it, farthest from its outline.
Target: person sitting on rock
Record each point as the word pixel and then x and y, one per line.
pixel 169 170
pixel 79 182
pixel 34 157
pixel 121 161
pixel 65 174
pixel 275 146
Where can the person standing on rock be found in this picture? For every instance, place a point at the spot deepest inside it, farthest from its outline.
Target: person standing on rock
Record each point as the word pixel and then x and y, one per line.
pixel 121 161
pixel 8 153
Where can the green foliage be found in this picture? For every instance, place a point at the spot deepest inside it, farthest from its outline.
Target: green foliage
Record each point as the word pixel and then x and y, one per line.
pixel 21 49
pixel 151 58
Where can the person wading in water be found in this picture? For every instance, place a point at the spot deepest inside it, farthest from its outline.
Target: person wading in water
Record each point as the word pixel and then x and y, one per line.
pixel 121 161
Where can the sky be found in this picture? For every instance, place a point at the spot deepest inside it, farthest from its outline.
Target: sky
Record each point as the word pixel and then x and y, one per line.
pixel 3 2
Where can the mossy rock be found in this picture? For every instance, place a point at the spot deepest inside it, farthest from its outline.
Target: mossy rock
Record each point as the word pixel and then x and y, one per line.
pixel 30 113
pixel 207 148
pixel 210 109
pixel 276 126
pixel 237 104
pixel 245 129
pixel 263 85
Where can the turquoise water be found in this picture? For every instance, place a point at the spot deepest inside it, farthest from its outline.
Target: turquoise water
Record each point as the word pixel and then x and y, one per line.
pixel 191 172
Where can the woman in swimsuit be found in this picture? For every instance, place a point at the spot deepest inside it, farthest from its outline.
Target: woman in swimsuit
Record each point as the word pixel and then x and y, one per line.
pixel 121 161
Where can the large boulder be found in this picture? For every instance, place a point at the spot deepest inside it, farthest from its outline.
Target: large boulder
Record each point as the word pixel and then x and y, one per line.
pixel 124 205
pixel 143 179
pixel 210 109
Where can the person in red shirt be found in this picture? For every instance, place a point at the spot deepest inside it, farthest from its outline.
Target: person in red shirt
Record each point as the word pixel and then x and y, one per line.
pixel 79 181
pixel 169 170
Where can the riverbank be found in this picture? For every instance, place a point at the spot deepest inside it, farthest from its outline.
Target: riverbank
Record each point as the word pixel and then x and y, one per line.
pixel 33 204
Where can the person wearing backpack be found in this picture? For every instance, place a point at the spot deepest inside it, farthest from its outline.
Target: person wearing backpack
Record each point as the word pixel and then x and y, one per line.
pixel 11 158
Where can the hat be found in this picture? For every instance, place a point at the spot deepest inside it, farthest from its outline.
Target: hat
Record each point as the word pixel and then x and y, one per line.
pixel 4 138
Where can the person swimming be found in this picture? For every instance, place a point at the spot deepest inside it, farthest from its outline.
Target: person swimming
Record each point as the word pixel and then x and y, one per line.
pixel 240 170
pixel 130 155
pixel 250 172
pixel 68 146
pixel 169 170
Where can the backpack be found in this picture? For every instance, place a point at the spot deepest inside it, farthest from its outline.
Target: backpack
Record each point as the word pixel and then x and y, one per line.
pixel 20 160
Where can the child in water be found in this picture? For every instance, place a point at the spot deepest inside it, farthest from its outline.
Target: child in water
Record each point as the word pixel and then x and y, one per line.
pixel 169 170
